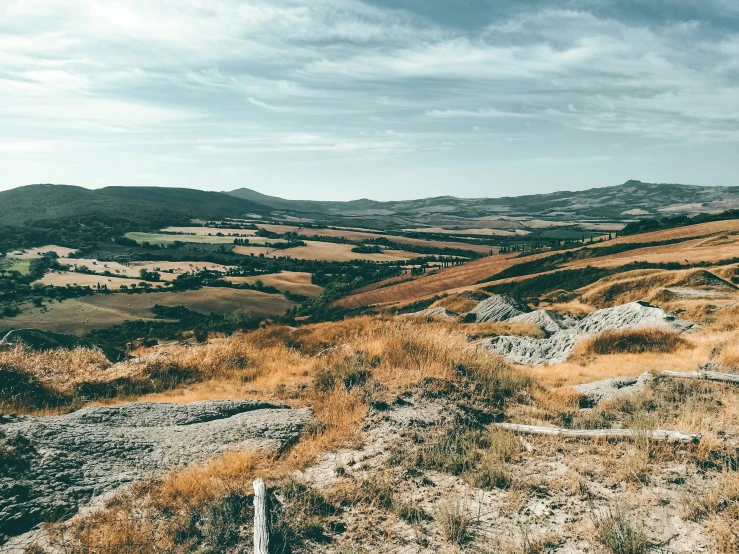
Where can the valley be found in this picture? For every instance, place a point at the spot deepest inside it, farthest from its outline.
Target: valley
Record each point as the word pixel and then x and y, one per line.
pixel 440 375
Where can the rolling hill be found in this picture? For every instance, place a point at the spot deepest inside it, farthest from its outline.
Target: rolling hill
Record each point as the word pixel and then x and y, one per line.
pixel 630 200
pixel 143 205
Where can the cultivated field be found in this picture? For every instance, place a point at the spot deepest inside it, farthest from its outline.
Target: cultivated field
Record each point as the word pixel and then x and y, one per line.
pixel 699 230
pixel 714 248
pixel 429 285
pixel 210 231
pixel 328 251
pixel 290 281
pixel 358 235
pixel 64 278
pixel 29 253
pixel 20 265
pixel 81 315
pixel 164 239
pixel 474 231
pixel 165 269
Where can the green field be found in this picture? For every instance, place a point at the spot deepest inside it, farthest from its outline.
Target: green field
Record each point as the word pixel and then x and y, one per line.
pixel 164 239
pixel 14 264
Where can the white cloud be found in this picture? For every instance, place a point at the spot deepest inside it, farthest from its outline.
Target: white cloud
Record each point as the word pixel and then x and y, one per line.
pixel 474 114
pixel 335 76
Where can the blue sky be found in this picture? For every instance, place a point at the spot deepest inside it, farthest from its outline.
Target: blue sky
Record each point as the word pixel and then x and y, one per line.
pixel 341 99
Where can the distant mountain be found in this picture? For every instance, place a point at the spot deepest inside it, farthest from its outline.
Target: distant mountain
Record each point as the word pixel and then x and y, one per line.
pixel 630 200
pixel 141 205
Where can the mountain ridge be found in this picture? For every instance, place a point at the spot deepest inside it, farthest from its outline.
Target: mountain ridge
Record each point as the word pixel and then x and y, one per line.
pixel 46 202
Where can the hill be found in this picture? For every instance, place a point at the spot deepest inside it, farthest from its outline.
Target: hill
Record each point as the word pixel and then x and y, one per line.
pixel 142 205
pixel 630 200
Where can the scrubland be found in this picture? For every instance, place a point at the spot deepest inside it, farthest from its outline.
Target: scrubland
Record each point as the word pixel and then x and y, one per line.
pixel 452 484
pixel 405 455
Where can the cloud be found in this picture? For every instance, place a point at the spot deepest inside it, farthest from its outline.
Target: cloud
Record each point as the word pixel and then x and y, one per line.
pixel 128 73
pixel 474 114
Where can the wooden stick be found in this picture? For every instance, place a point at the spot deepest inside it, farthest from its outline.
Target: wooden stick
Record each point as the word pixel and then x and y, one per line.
pixel 670 436
pixel 261 536
pixel 707 375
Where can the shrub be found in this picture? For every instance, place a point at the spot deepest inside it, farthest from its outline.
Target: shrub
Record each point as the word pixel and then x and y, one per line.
pixel 454 520
pixel 618 534
pixel 636 341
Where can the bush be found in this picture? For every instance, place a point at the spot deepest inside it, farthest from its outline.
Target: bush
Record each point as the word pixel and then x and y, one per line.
pixel 619 534
pixel 454 520
pixel 637 341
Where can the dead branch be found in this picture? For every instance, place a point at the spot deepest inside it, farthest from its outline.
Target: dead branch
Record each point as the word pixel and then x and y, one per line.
pixel 669 436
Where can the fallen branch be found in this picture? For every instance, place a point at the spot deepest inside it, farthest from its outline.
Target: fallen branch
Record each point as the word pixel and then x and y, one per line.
pixel 707 375
pixel 670 436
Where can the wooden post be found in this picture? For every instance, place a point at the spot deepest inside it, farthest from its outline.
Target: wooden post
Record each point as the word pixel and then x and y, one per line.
pixel 261 536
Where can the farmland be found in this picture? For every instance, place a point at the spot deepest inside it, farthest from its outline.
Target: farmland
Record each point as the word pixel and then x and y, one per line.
pixel 713 245
pixel 78 316
pixel 163 239
pixel 414 362
pixel 326 251
pixel 64 278
pixel 362 235
pixel 205 231
pixel 294 282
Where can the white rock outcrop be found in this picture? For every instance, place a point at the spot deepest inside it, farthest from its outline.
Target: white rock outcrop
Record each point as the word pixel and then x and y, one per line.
pixel 498 307
pixel 558 347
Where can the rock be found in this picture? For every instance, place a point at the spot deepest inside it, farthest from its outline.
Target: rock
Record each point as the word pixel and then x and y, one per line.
pixel 593 393
pixel 558 347
pixel 432 313
pixel 75 457
pixel 498 307
pixel 550 321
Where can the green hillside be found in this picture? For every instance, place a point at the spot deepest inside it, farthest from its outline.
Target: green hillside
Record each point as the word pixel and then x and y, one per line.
pixel 140 205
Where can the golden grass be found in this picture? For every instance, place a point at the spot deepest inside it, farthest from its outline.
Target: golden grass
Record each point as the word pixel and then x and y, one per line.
pixel 327 251
pixel 461 302
pixel 445 280
pixel 379 356
pixel 692 251
pixel 634 341
pixel 648 285
pixel 728 355
pixel 585 368
pixel 291 281
pixel 699 230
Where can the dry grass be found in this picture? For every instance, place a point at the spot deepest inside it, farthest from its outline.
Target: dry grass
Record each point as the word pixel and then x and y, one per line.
pixel 454 520
pixel 327 251
pixel 692 251
pixel 728 355
pixel 462 302
pixel 649 285
pixel 64 278
pixel 699 230
pixel 380 356
pixel 291 281
pixel 356 235
pixel 445 280
pixel 635 341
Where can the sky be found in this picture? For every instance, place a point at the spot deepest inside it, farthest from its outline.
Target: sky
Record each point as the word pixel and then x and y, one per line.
pixel 343 99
